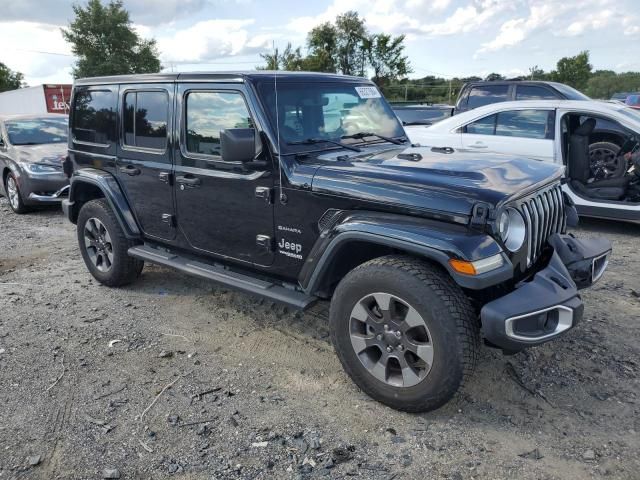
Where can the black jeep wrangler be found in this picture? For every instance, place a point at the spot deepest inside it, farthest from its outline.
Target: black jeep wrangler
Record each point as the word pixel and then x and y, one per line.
pixel 300 187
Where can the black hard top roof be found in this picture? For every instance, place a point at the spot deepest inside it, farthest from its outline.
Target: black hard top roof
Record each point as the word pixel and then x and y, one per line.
pixel 254 75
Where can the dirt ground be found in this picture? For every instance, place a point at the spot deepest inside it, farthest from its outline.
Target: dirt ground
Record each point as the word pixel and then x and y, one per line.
pixel 250 390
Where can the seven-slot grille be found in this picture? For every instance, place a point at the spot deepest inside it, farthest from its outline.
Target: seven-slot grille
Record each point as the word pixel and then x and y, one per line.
pixel 544 215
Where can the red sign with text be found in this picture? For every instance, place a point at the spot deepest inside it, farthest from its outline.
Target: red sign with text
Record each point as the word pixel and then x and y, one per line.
pixel 57 98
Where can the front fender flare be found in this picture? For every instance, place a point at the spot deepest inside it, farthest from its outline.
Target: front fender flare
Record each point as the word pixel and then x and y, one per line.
pixel 434 240
pixel 111 190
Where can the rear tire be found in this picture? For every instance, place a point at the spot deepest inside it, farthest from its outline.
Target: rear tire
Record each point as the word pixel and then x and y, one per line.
pixel 415 314
pixel 104 245
pixel 14 195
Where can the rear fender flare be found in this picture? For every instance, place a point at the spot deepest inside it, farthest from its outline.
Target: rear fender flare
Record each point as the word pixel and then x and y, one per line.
pixel 111 190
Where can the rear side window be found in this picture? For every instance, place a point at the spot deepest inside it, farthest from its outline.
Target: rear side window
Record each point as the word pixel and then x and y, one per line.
pixel 94 118
pixel 487 94
pixel 530 92
pixel 484 126
pixel 207 113
pixel 526 124
pixel 145 118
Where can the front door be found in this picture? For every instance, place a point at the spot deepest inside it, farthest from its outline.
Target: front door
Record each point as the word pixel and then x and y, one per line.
pixel 223 207
pixel 524 133
pixel 145 157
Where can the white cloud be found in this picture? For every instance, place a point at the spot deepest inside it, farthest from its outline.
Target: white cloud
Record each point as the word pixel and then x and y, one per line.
pixel 592 21
pixel 210 39
pixel 24 49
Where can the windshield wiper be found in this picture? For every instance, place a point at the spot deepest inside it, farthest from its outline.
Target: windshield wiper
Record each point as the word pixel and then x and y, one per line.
pixel 313 141
pixel 362 135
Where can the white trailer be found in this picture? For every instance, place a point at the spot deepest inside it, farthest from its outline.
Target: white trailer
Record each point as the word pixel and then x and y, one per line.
pixel 36 100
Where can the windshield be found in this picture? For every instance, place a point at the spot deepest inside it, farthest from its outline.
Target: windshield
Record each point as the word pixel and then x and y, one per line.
pixel 329 111
pixel 35 131
pixel 570 92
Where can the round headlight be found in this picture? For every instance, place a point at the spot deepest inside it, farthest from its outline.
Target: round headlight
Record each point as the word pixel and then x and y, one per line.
pixel 512 229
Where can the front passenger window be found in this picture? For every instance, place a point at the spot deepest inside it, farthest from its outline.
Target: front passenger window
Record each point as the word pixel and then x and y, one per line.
pixel 207 113
pixel 526 124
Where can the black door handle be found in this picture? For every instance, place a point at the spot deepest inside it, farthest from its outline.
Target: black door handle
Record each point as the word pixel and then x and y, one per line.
pixel 188 180
pixel 130 170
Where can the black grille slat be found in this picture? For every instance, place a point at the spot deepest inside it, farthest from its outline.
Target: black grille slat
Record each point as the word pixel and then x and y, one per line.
pixel 544 216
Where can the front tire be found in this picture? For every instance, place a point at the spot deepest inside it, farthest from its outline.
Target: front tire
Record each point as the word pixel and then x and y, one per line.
pixel 104 245
pixel 404 332
pixel 14 195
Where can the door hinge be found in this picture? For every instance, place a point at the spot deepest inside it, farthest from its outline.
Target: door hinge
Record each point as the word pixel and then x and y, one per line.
pixel 265 242
pixel 266 193
pixel 168 219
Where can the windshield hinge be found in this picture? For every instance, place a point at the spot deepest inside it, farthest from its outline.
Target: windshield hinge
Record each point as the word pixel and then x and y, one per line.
pixel 479 215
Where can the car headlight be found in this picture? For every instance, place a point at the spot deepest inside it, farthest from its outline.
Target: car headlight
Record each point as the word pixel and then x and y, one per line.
pixel 42 168
pixel 512 229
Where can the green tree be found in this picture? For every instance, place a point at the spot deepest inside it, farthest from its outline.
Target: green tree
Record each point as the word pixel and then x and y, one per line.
pixel 105 42
pixel 385 55
pixel 10 80
pixel 536 73
pixel 322 43
pixel 289 59
pixel 352 37
pixel 574 71
pixel 494 77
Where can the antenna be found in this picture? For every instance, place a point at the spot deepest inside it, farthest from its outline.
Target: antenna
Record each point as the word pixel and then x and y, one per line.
pixel 283 197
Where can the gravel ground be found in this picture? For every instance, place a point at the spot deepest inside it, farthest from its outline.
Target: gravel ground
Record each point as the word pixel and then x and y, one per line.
pixel 173 376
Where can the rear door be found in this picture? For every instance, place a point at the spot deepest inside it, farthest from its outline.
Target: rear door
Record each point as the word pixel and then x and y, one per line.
pixel 145 158
pixel 525 133
pixel 223 207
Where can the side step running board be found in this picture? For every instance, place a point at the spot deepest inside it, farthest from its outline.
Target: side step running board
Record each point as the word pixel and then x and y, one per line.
pixel 274 292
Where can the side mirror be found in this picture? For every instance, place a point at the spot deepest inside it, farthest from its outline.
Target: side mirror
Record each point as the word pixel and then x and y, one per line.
pixel 238 144
pixel 2 145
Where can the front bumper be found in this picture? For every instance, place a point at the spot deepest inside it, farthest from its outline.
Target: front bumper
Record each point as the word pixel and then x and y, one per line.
pixel 549 304
pixel 38 189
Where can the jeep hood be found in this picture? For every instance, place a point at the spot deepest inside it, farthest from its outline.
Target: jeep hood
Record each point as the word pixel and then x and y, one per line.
pixel 49 153
pixel 432 180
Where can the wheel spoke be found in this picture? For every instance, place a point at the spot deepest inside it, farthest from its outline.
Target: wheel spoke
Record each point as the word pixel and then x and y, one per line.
pixel 383 300
pixel 422 351
pixel 360 343
pixel 379 370
pixel 409 376
pixel 413 318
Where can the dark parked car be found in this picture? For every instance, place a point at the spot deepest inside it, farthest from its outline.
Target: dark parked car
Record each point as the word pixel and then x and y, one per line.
pixel 32 149
pixel 299 187
pixel 606 140
pixel 477 94
pixel 419 114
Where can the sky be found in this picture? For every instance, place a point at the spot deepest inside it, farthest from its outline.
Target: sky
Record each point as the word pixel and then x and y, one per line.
pixel 445 38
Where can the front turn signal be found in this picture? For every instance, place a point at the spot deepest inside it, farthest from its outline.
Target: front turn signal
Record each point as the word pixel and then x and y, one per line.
pixel 476 267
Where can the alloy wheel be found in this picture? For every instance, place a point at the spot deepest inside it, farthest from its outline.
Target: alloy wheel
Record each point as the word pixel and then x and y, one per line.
pixel 12 192
pixel 98 244
pixel 391 340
